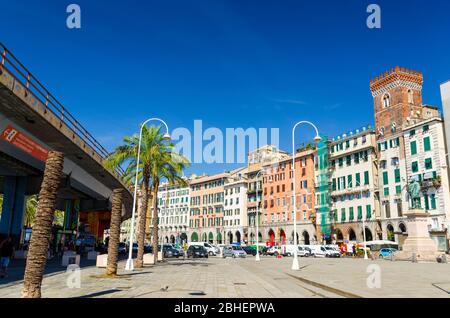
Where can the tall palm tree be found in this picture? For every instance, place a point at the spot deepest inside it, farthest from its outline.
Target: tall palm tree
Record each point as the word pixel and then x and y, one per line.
pixel 114 231
pixel 37 251
pixel 156 160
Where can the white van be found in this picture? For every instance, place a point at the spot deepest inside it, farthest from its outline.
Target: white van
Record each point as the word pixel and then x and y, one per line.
pixel 318 250
pixel 209 247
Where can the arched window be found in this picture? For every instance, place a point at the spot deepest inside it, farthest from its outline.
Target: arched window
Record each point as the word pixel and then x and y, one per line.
pixel 410 96
pixel 386 101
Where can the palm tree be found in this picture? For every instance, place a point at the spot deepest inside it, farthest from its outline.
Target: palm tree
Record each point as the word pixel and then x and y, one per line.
pixel 156 160
pixel 37 251
pixel 30 210
pixel 113 244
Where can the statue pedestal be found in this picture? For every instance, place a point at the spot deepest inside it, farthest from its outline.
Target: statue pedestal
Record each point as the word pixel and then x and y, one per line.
pixel 418 246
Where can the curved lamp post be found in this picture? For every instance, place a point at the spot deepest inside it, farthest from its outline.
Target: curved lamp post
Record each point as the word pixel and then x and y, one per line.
pixel 363 221
pixel 317 138
pixel 129 266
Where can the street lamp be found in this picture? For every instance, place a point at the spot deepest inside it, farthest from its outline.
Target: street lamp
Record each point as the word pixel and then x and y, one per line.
pixel 363 220
pixel 317 138
pixel 257 258
pixel 129 266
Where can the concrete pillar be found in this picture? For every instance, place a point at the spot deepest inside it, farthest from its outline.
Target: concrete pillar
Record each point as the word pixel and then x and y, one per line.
pixel 13 210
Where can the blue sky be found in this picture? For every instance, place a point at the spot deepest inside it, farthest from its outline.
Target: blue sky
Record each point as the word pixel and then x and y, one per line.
pixel 235 63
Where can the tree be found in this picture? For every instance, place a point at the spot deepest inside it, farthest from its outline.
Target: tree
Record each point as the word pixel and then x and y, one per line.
pixel 38 249
pixel 114 231
pixel 156 160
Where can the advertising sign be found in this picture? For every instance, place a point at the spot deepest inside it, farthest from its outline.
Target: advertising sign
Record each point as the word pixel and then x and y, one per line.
pixel 13 136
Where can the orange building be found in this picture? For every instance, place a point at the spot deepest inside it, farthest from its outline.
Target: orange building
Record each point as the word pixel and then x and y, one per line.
pixel 277 213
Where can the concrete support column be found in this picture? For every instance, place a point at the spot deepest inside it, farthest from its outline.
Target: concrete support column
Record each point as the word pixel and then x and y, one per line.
pixel 13 210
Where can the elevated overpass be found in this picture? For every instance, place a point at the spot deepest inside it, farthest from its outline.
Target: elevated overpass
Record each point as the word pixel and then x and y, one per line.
pixel 33 122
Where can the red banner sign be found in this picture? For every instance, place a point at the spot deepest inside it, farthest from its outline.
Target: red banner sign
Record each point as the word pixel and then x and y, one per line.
pixel 21 141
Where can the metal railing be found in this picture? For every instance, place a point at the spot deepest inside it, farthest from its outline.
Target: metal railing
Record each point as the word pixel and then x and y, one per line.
pixel 34 87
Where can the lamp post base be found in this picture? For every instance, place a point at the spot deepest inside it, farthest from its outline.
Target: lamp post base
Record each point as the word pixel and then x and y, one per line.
pixel 295 266
pixel 129 266
pixel 257 258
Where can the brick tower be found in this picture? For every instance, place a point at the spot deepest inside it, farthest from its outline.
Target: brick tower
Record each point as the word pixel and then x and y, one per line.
pixel 397 98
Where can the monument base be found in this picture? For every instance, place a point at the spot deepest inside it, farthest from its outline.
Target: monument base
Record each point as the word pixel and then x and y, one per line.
pixel 418 246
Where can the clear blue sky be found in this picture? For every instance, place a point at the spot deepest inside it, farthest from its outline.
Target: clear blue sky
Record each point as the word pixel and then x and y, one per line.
pixel 235 63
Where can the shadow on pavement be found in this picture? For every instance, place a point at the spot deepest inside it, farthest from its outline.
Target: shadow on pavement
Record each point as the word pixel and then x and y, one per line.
pixel 101 293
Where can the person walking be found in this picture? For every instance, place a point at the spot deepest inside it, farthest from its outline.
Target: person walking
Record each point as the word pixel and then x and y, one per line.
pixel 6 254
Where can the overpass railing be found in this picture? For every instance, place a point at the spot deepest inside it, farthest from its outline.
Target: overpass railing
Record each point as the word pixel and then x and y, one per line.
pixel 33 86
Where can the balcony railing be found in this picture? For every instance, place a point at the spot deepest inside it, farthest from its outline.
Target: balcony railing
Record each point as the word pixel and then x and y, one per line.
pixel 34 87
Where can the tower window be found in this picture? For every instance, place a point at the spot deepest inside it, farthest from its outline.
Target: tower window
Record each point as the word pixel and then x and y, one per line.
pixel 410 97
pixel 386 101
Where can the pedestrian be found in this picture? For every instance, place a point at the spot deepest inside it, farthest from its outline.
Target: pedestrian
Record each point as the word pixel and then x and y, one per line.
pixel 6 254
pixel 354 250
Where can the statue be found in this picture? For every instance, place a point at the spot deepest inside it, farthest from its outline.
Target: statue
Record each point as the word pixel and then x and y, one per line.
pixel 414 193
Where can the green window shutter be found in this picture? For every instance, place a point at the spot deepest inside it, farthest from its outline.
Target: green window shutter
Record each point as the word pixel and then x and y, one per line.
pixel 413 145
pixel 386 145
pixel 390 143
pixel 427 204
pixel 426 144
pixel 334 184
pixel 343 215
pixel 358 180
pixel 350 216
pixel 398 189
pixel 366 177
pixel 433 201
pixel 379 146
pixel 359 212
pixel 385 178
pixel 386 192
pixel 350 181
pixel 368 212
pixel 428 164
pixel 415 166
pixel 347 144
pixel 397 175
pixel 343 182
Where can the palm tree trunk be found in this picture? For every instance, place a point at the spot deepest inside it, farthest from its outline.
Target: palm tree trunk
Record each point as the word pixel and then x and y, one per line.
pixel 155 223
pixel 114 232
pixel 38 249
pixel 142 218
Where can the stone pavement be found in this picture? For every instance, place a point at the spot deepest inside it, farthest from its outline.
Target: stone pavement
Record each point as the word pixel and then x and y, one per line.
pixel 235 278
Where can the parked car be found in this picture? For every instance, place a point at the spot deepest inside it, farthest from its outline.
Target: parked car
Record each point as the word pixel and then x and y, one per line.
pixel 197 251
pixel 209 247
pixel 331 252
pixel 304 251
pixel 169 252
pixel 274 251
pixel 135 247
pixel 249 250
pixel 233 251
pixel 122 248
pixel 387 252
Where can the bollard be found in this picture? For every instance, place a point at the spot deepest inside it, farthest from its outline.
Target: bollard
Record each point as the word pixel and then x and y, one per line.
pixel 414 258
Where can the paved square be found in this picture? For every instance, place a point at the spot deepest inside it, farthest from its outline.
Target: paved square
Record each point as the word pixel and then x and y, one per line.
pixel 235 278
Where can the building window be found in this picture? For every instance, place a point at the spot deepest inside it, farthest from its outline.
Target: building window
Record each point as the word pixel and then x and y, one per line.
pixel 412 133
pixel 343 215
pixel 358 180
pixel 387 210
pixel 386 101
pixel 426 144
pixel 415 167
pixel 366 177
pixel 428 164
pixel 433 201
pixel 426 128
pixel 398 190
pixel 410 96
pixel 397 175
pixel 413 145
pixel 359 212
pixel 368 211
pixel 385 178
pixel 351 215
pixel 386 192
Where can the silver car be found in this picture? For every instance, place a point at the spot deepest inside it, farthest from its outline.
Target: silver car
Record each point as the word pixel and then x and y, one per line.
pixel 233 251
